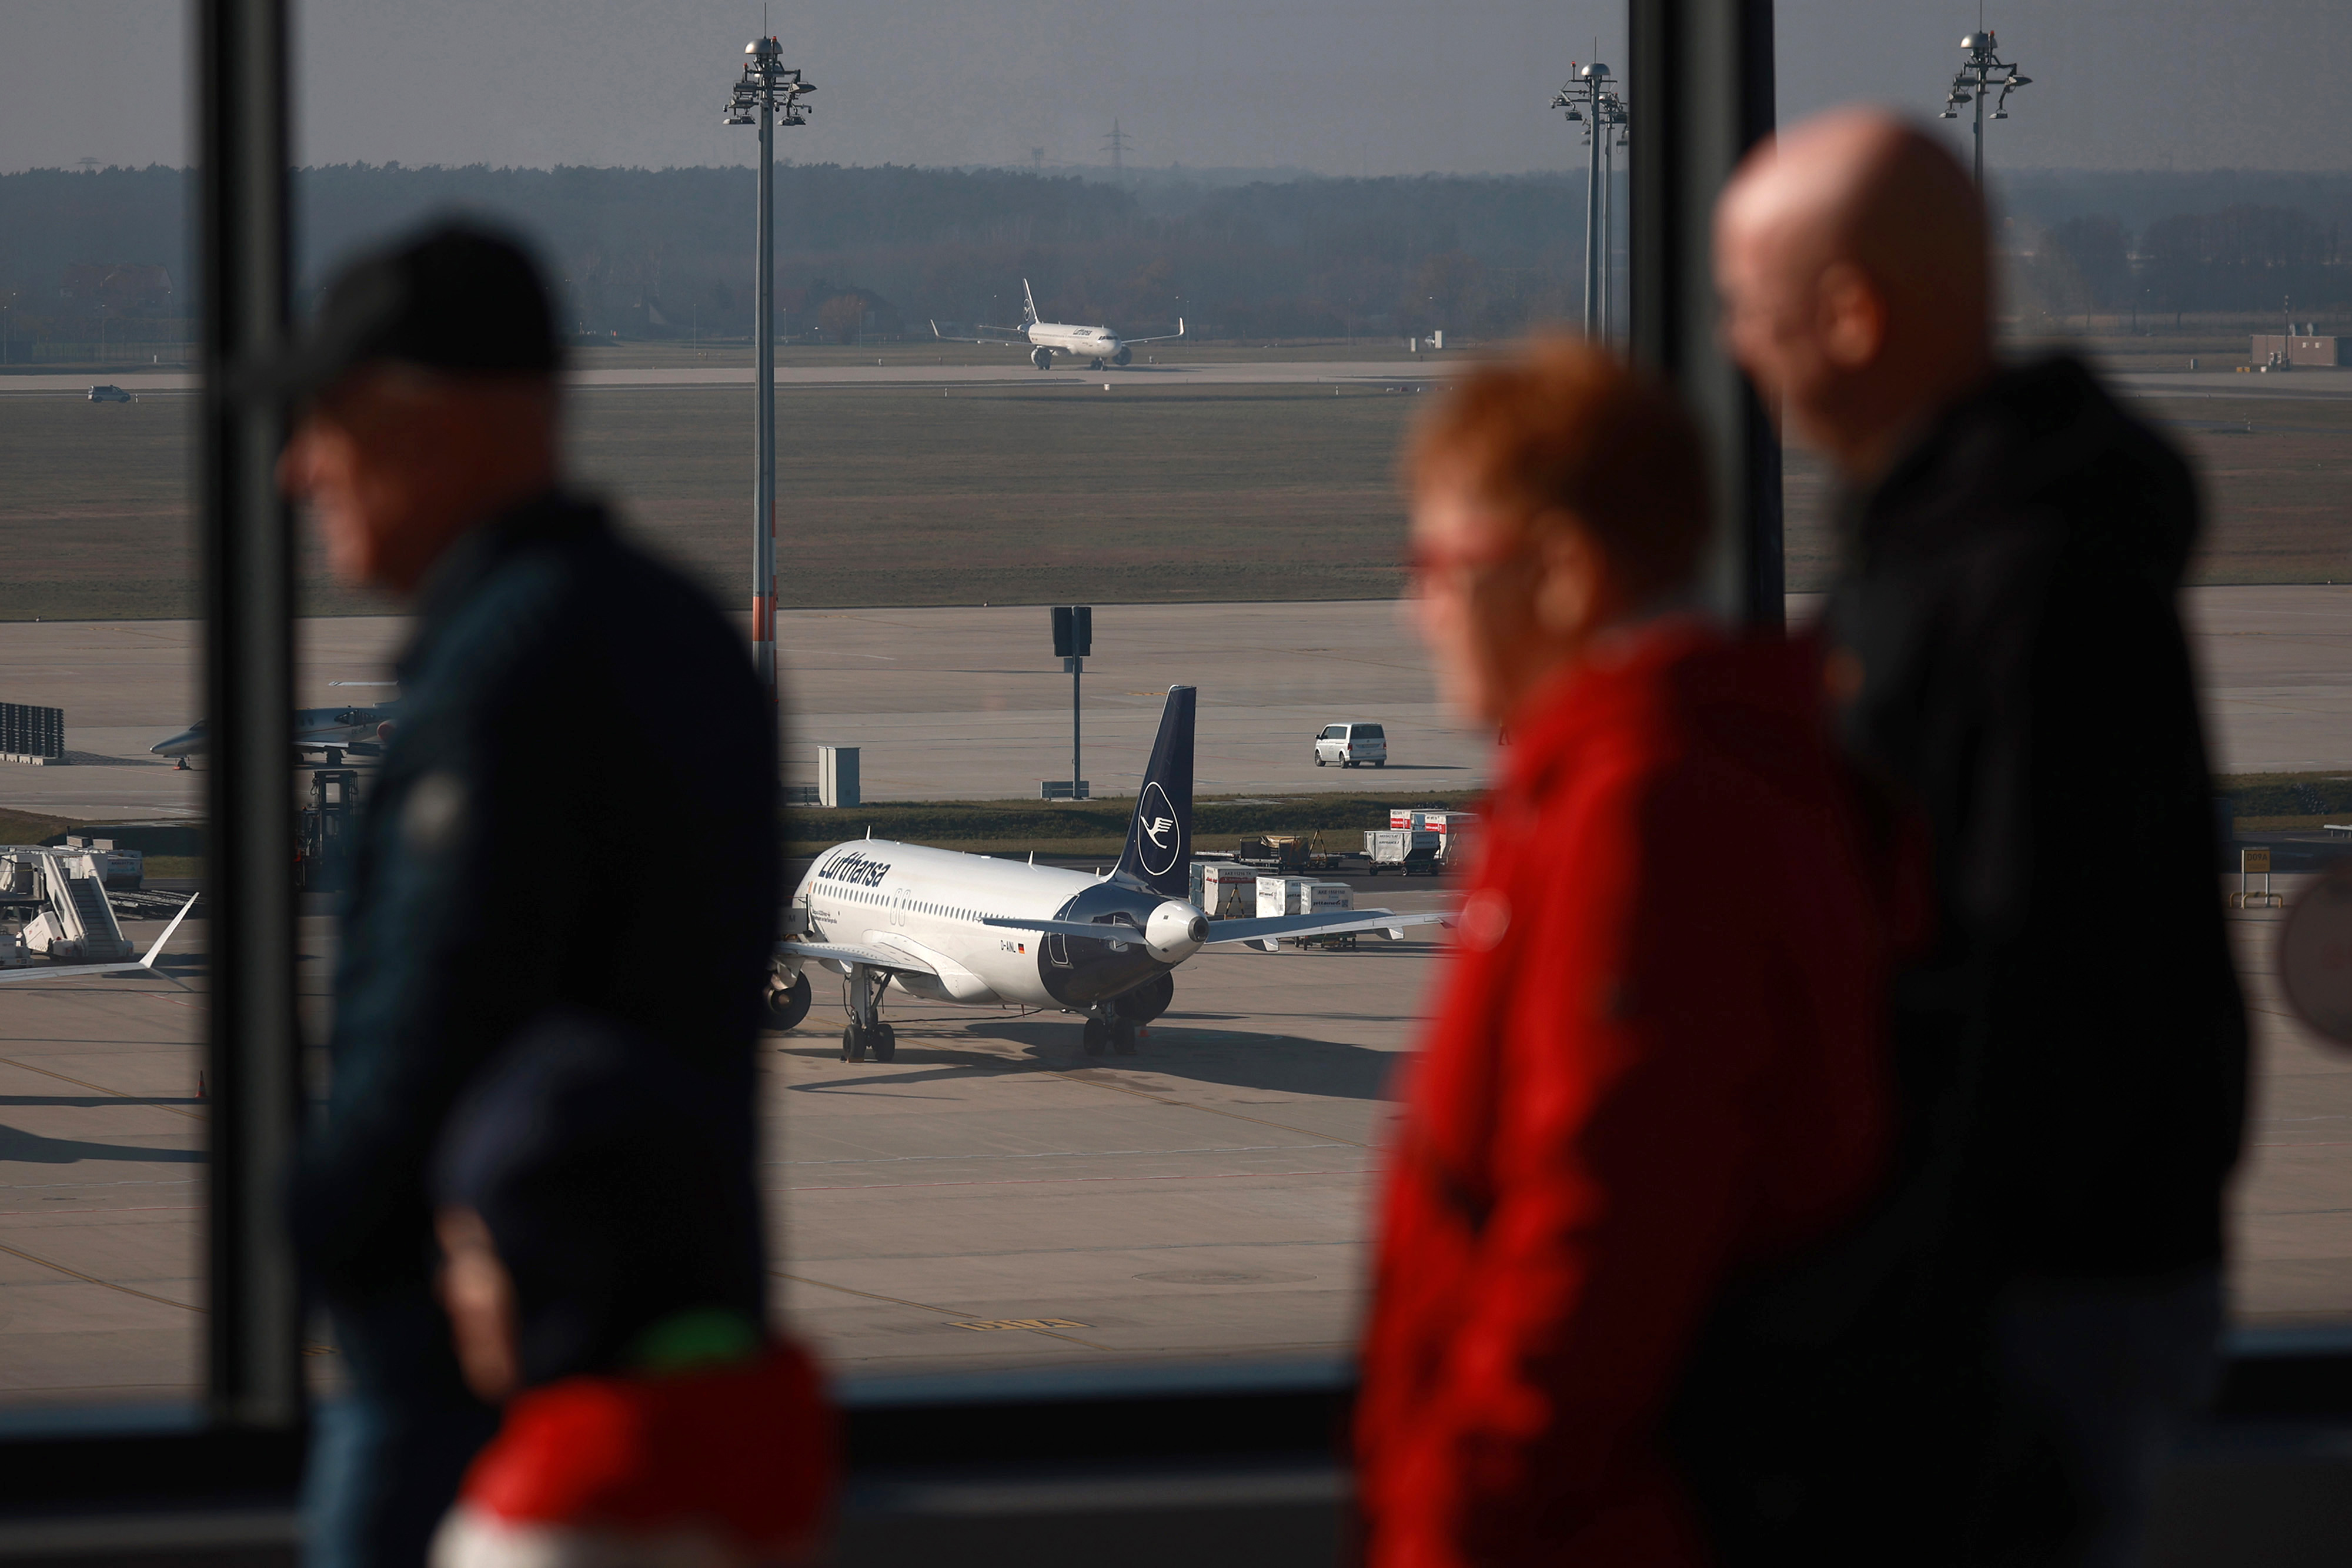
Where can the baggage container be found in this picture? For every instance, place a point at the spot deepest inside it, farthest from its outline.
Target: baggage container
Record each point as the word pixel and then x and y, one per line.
pixel 1407 851
pixel 1224 890
pixel 1284 896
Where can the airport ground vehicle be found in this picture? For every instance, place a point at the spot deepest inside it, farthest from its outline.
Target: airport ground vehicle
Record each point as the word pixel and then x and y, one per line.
pixel 982 931
pixel 55 900
pixel 1352 743
pixel 1274 851
pixel 104 392
pixel 323 830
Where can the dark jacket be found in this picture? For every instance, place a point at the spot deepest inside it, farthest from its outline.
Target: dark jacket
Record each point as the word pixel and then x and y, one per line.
pixel 578 806
pixel 2006 627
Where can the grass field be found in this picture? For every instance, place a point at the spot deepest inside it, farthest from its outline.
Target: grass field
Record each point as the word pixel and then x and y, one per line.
pixel 889 496
pixel 1040 494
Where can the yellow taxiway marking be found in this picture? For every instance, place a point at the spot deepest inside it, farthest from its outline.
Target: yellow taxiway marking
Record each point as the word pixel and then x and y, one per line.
pixel 986 1323
pixel 1028 1325
pixel 94 1280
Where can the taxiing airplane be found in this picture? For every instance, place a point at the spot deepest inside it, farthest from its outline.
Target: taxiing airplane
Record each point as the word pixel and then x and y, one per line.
pixel 123 966
pixel 360 731
pixel 982 931
pixel 1095 345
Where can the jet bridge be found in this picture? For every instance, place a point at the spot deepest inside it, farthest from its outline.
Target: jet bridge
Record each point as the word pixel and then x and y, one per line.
pixel 57 900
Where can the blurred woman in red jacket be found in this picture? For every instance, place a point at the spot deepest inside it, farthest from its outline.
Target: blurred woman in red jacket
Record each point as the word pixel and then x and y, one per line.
pixel 1656 1064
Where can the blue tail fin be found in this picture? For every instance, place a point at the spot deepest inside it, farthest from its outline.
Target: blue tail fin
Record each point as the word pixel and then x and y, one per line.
pixel 1159 838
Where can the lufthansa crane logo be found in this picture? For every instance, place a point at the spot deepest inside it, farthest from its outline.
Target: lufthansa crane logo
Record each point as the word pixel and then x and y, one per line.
pixel 1155 820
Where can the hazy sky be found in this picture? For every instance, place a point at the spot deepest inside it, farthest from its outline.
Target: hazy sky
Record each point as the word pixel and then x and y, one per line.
pixel 1338 86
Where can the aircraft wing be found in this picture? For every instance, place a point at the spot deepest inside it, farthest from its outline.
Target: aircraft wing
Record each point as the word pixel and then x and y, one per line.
pixel 1266 931
pixel 126 967
pixel 1107 931
pixel 1163 337
pixel 1271 929
pixel 1005 337
pixel 848 952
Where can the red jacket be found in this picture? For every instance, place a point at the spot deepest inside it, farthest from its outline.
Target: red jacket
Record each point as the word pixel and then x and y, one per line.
pixel 1656 1061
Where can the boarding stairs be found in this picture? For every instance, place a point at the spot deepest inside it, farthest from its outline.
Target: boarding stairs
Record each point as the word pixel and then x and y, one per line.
pixel 60 896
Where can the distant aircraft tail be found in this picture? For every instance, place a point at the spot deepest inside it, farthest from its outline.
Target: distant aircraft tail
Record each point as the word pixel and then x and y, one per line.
pixel 1159 838
pixel 1029 310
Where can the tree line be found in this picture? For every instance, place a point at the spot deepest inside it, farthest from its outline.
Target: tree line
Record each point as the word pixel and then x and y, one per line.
pixel 668 253
pixel 2245 259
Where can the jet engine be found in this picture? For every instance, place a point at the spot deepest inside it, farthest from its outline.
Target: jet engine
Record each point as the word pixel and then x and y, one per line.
pixel 1123 356
pixel 1175 931
pixel 1042 358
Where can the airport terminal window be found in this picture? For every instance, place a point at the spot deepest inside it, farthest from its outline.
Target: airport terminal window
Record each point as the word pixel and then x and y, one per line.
pixel 2211 297
pixel 103 1111
pixel 1219 484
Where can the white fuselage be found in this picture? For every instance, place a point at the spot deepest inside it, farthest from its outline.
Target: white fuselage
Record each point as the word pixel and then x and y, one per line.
pixel 360 728
pixel 1081 342
pixel 930 903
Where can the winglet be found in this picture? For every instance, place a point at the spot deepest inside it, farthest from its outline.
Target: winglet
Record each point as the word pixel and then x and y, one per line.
pixel 152 953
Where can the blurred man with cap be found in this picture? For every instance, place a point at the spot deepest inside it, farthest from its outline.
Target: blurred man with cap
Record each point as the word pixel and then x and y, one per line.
pixel 562 690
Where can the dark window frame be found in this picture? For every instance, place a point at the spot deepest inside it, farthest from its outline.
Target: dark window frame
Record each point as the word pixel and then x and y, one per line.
pixel 1703 69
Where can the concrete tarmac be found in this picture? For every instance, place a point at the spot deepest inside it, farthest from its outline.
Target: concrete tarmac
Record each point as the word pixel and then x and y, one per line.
pixel 970 703
pixel 992 1198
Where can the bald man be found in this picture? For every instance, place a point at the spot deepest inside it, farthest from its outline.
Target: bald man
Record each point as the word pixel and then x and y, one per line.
pixel 2005 645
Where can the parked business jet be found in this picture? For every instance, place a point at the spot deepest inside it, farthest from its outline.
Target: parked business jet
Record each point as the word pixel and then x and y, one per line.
pixel 360 731
pixel 1095 345
pixel 972 929
pixel 125 966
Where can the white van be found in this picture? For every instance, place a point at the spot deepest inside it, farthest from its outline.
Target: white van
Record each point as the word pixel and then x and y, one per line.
pixel 1349 744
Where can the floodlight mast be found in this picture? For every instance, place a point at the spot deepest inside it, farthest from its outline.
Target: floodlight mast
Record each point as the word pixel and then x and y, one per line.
pixel 1974 80
pixel 766 88
pixel 1588 100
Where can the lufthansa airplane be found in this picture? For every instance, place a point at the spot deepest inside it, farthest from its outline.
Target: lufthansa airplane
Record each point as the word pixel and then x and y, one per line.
pixel 953 927
pixel 1095 345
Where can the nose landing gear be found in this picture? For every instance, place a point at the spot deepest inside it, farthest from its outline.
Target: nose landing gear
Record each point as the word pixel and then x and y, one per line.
pixel 867 1036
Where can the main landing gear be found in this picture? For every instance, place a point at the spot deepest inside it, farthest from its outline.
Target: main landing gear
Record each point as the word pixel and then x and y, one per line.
pixel 1109 1030
pixel 867 1036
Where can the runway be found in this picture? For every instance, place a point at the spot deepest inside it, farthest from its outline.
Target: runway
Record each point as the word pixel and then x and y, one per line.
pixel 1013 372
pixel 965 703
pixel 1016 372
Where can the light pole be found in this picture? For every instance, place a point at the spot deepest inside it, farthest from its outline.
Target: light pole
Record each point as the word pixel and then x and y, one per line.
pixel 764 88
pixel 1974 80
pixel 1610 127
pixel 1586 101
